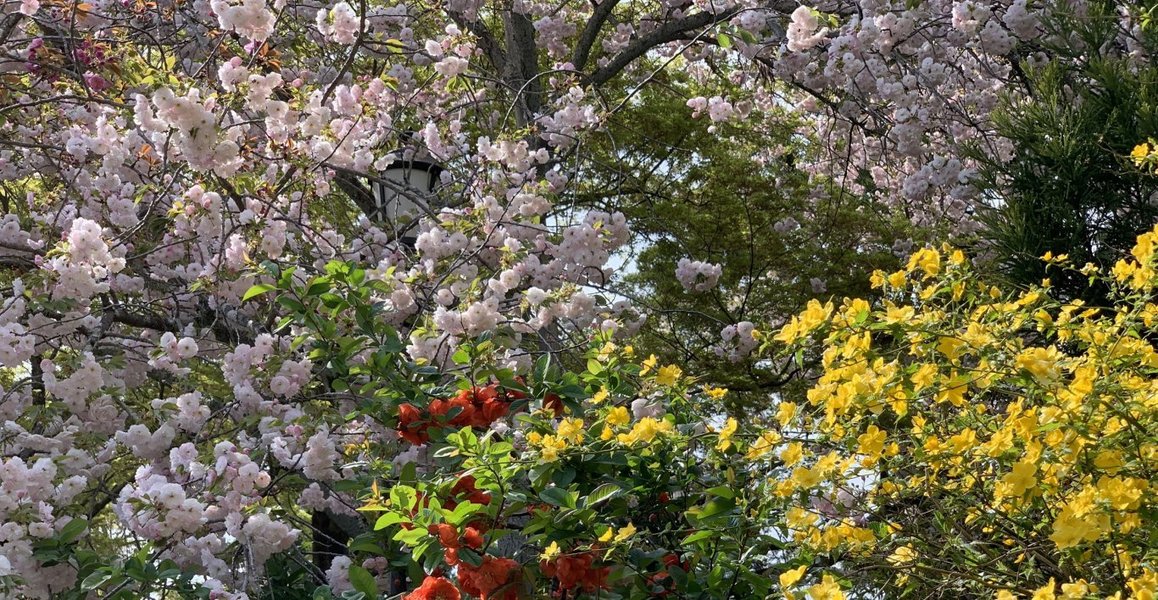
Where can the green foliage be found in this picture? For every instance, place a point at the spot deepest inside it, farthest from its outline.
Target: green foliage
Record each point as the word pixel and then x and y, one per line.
pixel 653 504
pixel 1068 186
pixel 715 193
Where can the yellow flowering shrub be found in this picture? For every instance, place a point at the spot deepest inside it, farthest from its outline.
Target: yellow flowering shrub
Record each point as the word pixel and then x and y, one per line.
pixel 963 442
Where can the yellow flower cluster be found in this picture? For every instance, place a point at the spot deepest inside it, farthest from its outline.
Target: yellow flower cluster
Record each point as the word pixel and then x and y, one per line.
pixel 549 445
pixel 1139 273
pixel 1007 423
pixel 645 430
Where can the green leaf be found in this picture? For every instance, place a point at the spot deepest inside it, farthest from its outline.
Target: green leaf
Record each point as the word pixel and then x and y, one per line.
pixel 403 497
pixel 292 304
pixel 557 496
pixel 367 545
pixel 431 561
pixel 722 491
pixel 410 537
pixel 319 286
pixel 715 508
pixel 387 520
pixel 363 581
pixel 97 579
pixel 724 40
pixel 601 494
pixel 462 512
pixel 469 556
pixel 72 531
pixel 257 290
pixel 698 537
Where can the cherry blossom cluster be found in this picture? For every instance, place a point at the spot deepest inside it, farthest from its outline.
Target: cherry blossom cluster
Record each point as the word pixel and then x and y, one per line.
pixel 698 276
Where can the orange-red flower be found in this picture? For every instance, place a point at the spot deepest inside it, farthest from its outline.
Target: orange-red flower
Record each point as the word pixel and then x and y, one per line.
pixel 473 538
pixel 577 571
pixel 435 588
pixel 494 579
pixel 447 534
pixel 411 426
pixel 465 486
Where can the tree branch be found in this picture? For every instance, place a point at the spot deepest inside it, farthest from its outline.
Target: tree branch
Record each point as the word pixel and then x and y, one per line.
pixel 591 32
pixel 669 32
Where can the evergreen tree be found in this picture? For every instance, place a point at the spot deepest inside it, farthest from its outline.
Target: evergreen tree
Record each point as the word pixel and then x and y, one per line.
pixel 1069 186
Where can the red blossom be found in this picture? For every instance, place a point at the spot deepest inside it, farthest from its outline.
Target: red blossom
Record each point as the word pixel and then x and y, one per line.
pixel 493 575
pixel 577 571
pixel 411 426
pixel 472 538
pixel 465 486
pixel 435 588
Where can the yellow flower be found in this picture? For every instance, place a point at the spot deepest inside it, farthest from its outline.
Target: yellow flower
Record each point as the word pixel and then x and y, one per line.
pixel 648 364
pixel 716 393
pixel 856 308
pixel 1076 590
pixel 791 576
pixel 799 518
pixel 618 416
pixel 571 429
pixel 669 375
pixel 600 396
pixel 926 259
pixel 645 430
pixel 766 442
pixel 1140 152
pixel 607 535
pixel 1123 493
pixel 805 478
pixel 725 440
pixel 1123 270
pixel 625 532
pixel 1144 586
pixel 1071 529
pixel 1042 363
pixel 1020 479
pixel 785 412
pixel 898 314
pixel 924 377
pixel 1109 461
pixel 871 443
pixel 951 347
pixel 1143 250
pixel 1045 592
pixel 551 551
pixel 792 454
pixel 903 556
pixel 549 446
pixel 814 315
pixel 827 589
pixel 1005 595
